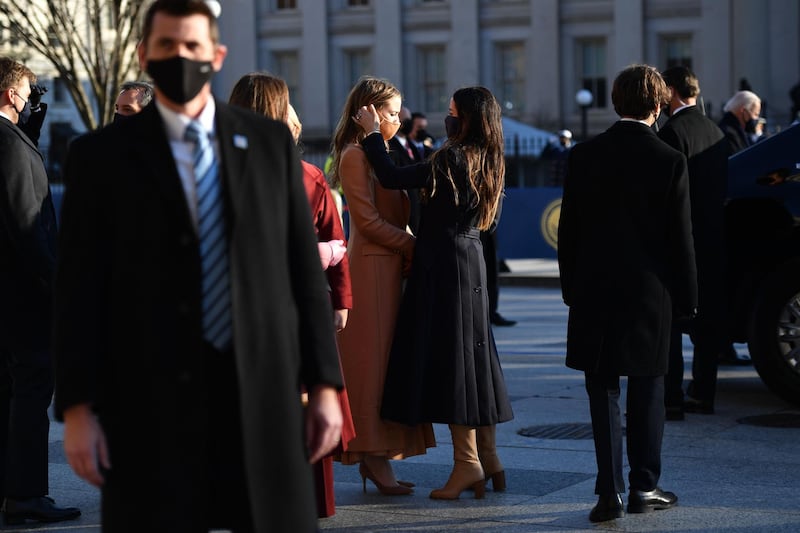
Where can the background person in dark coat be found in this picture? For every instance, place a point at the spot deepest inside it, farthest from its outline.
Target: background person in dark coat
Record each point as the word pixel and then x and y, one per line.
pixel 697 137
pixel 404 152
pixel 27 263
pixel 444 366
pixel 627 264
pixel 190 435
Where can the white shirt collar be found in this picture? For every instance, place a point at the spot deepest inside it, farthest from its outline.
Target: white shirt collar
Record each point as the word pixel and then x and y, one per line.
pixel 176 123
pixel 681 108
pixel 625 119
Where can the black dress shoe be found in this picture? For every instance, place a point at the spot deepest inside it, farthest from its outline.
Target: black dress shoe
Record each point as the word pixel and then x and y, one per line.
pixel 640 501
pixel 41 509
pixel 693 405
pixel 498 320
pixel 607 508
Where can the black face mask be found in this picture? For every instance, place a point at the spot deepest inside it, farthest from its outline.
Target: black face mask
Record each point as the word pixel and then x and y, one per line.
pixel 179 78
pixel 422 135
pixel 452 125
pixel 750 125
pixel 25 112
pixel 118 117
pixel 406 125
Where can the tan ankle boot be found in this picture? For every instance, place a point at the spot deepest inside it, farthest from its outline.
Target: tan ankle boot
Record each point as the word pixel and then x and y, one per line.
pixel 487 453
pixel 467 471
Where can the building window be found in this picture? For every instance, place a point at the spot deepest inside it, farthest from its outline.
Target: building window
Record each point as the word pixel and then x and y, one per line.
pixel 676 51
pixel 433 97
pixel 509 76
pixel 285 4
pixel 287 66
pixel 591 63
pixel 357 63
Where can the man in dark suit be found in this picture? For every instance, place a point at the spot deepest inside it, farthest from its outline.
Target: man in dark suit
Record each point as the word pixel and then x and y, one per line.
pixel 27 262
pixel 403 153
pixel 627 264
pixel 420 138
pixel 191 306
pixel 697 137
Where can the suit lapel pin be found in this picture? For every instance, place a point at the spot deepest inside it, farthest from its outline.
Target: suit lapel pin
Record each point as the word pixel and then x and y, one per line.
pixel 240 141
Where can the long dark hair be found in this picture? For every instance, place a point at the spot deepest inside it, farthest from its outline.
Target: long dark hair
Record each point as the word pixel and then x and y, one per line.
pixel 480 141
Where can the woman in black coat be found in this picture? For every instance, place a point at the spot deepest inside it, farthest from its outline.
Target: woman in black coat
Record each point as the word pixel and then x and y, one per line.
pixel 444 366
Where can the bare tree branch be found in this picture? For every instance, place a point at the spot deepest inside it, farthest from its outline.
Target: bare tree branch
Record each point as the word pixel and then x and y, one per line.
pixel 90 43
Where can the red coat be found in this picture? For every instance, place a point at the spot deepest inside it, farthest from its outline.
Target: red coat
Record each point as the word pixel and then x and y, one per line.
pixel 326 221
pixel 328 227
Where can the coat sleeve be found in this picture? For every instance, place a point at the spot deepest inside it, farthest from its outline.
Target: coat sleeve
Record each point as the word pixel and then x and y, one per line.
pixel 684 268
pixel 356 182
pixel 391 176
pixel 319 360
pixel 21 216
pixel 567 229
pixel 80 281
pixel 329 227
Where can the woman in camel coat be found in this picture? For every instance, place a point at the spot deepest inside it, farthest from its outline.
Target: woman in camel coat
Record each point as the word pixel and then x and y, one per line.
pixel 380 250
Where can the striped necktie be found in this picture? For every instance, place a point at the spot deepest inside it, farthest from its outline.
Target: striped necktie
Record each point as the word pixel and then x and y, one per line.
pixel 216 297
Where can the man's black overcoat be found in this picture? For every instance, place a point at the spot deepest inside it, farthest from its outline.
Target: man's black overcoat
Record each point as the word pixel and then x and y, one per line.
pixel 625 251
pixel 128 328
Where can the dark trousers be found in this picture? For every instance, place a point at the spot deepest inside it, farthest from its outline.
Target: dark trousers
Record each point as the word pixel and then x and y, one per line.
pixel 673 385
pixel 26 389
pixel 644 432
pixel 707 346
pixel 228 502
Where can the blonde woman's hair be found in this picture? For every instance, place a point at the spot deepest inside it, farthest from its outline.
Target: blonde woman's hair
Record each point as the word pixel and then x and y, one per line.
pixel 368 90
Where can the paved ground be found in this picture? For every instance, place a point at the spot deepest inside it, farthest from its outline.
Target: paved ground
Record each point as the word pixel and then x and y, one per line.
pixel 729 476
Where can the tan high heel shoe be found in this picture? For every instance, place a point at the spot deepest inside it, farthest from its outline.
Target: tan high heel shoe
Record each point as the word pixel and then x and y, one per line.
pixel 487 454
pixel 387 490
pixel 467 472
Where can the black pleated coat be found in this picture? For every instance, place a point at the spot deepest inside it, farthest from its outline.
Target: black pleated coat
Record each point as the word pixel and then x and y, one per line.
pixel 444 366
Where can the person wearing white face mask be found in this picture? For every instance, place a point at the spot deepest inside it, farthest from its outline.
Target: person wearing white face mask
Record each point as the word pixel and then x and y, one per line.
pixel 27 262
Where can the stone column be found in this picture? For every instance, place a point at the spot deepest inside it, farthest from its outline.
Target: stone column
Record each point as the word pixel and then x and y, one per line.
pixel 314 68
pixel 463 54
pixel 543 77
pixel 237 26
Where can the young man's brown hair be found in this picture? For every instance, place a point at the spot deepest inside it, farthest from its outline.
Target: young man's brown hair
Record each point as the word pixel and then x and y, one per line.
pixel 638 91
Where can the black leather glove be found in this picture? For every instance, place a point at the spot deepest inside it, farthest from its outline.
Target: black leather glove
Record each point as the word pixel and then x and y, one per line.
pixel 36 96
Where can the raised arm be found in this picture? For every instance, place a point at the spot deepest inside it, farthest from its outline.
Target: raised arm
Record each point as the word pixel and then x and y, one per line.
pixel 358 184
pixel 391 177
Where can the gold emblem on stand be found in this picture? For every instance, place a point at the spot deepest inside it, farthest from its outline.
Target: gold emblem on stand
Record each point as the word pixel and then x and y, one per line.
pixel 549 222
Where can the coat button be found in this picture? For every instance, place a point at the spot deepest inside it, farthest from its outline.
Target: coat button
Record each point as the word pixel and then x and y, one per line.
pixel 480 344
pixel 185 377
pixel 183 308
pixel 185 239
pixel 476 290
